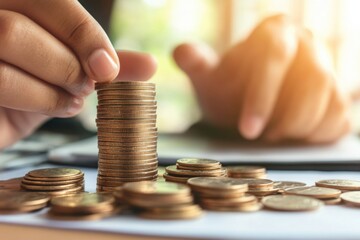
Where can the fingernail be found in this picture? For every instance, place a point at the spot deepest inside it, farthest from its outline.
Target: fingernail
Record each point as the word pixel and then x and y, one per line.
pixel 75 106
pixel 252 127
pixel 88 88
pixel 102 65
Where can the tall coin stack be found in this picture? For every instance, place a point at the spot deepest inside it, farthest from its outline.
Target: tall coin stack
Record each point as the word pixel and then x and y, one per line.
pixel 127 133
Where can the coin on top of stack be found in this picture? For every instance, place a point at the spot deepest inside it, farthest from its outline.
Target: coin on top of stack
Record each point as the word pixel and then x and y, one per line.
pixel 246 171
pixel 83 206
pixel 187 168
pixel 127 133
pixel 54 181
pixel 329 196
pixel 20 202
pixel 160 200
pixel 223 194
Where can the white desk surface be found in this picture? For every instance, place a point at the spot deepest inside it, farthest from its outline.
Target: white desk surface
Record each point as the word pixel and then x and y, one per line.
pixel 330 222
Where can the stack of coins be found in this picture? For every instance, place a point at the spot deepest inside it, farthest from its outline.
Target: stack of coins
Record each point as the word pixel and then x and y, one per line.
pixel 260 187
pixel 329 196
pixel 223 194
pixel 127 133
pixel 20 202
pixel 82 206
pixel 187 168
pixel 291 203
pixel 246 172
pixel 160 200
pixel 54 181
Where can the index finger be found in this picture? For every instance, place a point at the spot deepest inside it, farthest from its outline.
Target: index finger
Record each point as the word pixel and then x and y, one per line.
pixel 68 21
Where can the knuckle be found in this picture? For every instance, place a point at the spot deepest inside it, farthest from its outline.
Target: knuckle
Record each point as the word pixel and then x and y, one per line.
pixel 4 77
pixel 56 105
pixel 72 74
pixel 81 30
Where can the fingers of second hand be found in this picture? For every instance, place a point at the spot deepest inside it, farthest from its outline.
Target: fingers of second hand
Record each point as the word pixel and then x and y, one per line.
pixel 78 30
pixel 22 91
pixel 269 67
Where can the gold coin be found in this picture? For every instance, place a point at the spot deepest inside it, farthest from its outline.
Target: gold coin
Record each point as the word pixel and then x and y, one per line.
pixel 291 203
pixel 122 102
pixel 258 184
pixel 126 139
pixel 156 188
pixel 217 183
pixel 253 207
pixel 82 217
pixel 341 184
pixel 198 168
pixel 127 130
pixel 52 173
pixel 15 200
pixel 197 162
pixel 126 92
pixel 282 185
pixel 230 201
pixel 51 187
pixel 246 170
pixel 194 212
pixel 65 192
pixel 351 198
pixel 264 192
pixel 26 180
pixel 172 170
pixel 125 85
pixel 127 174
pixel 332 201
pixel 83 202
pixel 254 175
pixel 119 157
pixel 23 209
pixel 117 122
pixel 175 179
pixel 152 202
pixel 316 192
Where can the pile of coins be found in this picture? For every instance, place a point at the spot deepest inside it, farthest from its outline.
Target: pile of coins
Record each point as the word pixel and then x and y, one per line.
pixel 82 206
pixel 329 196
pixel 246 172
pixel 223 194
pixel 20 202
pixel 159 200
pixel 54 181
pixel 187 168
pixel 127 133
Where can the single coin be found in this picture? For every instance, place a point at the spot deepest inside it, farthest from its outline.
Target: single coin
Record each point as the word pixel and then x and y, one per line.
pixel 217 183
pixel 246 170
pixel 188 214
pixel 126 92
pixel 65 192
pixel 51 187
pixel 124 174
pixel 316 192
pixel 126 140
pixel 341 184
pixel 258 184
pixel 198 168
pixel 175 179
pixel 172 170
pixel 146 201
pixel 351 198
pixel 254 207
pixel 331 201
pixel 282 185
pixel 291 203
pixel 125 85
pixel 11 200
pixel 83 202
pixel 156 188
pixel 68 173
pixel 197 162
pixel 264 192
pixel 82 217
pixel 26 180
pixel 246 198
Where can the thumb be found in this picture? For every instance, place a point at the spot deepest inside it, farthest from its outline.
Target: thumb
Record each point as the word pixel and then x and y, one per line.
pixel 196 60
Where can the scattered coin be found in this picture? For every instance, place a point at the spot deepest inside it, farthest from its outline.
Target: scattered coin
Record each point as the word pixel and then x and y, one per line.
pixel 341 184
pixel 291 203
pixel 315 192
pixel 19 202
pixel 351 198
pixel 282 185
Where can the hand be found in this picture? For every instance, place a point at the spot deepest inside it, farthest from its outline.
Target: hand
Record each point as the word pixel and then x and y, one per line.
pixel 274 85
pixel 51 53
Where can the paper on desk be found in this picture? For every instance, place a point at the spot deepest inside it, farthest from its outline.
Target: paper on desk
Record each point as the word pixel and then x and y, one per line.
pixel 172 147
pixel 330 222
